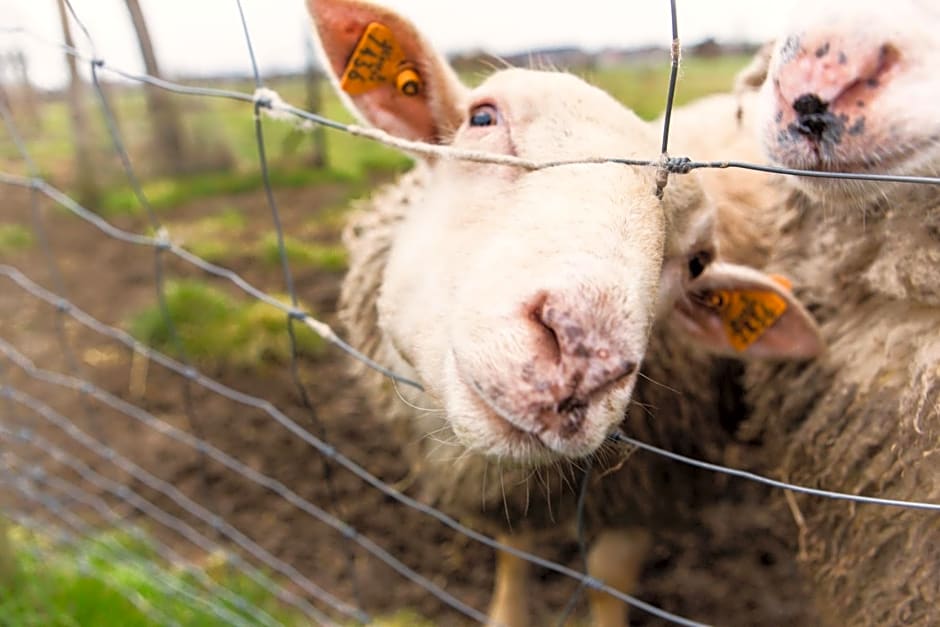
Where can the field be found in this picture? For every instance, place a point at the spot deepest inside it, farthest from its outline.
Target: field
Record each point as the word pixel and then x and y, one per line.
pixel 223 216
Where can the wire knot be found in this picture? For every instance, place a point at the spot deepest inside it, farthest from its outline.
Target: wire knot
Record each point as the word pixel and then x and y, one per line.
pixel 677 165
pixel 266 98
pixel 162 239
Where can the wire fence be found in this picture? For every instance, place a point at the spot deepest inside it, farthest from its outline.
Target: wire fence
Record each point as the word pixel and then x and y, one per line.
pixel 58 484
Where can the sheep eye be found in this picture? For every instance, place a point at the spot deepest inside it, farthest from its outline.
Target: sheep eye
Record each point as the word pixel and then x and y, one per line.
pixel 483 115
pixel 698 262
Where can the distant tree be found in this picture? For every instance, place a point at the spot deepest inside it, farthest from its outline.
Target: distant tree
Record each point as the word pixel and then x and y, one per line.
pixel 85 181
pixel 168 133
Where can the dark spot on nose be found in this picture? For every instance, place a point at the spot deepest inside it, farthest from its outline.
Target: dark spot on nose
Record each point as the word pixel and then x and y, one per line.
pixel 872 82
pixel 814 120
pixel 822 50
pixel 569 416
pixel 808 104
pixel 858 128
pixel 789 49
pixel 573 332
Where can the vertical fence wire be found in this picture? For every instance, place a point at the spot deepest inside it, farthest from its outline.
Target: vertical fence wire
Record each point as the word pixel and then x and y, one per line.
pixel 304 396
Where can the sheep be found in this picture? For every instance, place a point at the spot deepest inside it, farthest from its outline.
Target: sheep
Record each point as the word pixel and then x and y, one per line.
pixel 525 302
pixel 853 88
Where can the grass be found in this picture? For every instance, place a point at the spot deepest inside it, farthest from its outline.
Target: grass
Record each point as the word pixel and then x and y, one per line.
pixel 214 328
pixel 166 193
pixel 14 238
pixel 87 583
pixel 330 257
pixel 642 86
pixel 214 238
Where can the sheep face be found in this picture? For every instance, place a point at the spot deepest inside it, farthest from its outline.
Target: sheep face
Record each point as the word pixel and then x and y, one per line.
pixel 523 300
pixel 852 88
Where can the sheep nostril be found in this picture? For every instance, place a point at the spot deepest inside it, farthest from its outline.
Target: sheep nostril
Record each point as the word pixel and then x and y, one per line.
pixel 809 104
pixel 572 405
pixel 542 315
pixel 813 116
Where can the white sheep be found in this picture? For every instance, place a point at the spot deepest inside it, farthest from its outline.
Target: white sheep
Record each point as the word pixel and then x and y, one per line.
pixel 526 301
pixel 853 87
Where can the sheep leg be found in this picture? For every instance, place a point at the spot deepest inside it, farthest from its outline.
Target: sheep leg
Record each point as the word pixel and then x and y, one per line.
pixel 510 607
pixel 616 558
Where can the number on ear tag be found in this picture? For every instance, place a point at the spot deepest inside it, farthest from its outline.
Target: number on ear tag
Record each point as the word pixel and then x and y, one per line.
pixel 745 314
pixel 379 60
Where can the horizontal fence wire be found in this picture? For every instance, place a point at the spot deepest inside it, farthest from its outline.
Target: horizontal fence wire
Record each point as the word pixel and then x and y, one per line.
pixel 124 493
pixel 36 483
pixel 271 103
pixel 41 477
pixel 180 499
pixel 66 539
pixel 60 507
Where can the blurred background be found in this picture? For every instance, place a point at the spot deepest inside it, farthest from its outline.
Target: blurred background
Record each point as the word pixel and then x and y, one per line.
pixel 198 165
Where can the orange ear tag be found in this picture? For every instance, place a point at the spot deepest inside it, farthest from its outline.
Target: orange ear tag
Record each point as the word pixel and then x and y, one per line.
pixel 746 314
pixel 378 60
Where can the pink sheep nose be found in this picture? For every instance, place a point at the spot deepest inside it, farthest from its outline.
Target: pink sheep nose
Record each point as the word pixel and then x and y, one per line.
pixel 825 77
pixel 580 353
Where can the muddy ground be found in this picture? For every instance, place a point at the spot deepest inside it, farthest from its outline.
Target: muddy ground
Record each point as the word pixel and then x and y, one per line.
pixel 112 280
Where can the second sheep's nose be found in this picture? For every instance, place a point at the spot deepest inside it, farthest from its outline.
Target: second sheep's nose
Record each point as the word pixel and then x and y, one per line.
pixel 813 117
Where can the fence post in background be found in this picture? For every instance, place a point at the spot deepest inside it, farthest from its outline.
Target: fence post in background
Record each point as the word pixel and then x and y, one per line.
pixel 167 132
pixel 313 85
pixel 26 90
pixel 85 181
pixel 16 90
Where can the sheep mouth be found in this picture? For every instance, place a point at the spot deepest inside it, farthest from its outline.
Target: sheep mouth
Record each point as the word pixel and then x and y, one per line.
pixel 530 439
pixel 822 157
pixel 530 445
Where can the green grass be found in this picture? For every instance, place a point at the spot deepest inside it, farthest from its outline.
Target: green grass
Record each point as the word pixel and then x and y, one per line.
pixel 330 257
pixel 166 193
pixel 214 238
pixel 88 582
pixel 642 86
pixel 214 328
pixel 14 238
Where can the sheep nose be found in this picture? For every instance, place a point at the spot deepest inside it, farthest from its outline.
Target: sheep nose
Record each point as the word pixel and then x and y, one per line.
pixel 812 116
pixel 821 71
pixel 580 352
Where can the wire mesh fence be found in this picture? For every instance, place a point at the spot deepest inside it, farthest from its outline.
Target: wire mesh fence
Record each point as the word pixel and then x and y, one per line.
pixel 66 474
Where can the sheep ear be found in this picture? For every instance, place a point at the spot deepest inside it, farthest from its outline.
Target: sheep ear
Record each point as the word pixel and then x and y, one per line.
pixel 386 71
pixel 752 76
pixel 738 311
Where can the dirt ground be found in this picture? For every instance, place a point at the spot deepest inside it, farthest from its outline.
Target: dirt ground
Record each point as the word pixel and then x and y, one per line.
pixel 111 280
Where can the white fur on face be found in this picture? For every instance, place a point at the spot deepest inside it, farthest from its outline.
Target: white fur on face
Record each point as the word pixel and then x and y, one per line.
pixel 874 64
pixel 487 244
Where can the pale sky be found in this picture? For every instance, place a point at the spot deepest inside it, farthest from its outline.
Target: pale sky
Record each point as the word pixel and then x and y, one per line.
pixel 204 37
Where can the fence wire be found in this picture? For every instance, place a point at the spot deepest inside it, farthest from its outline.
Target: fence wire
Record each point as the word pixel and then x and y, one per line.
pixel 57 500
